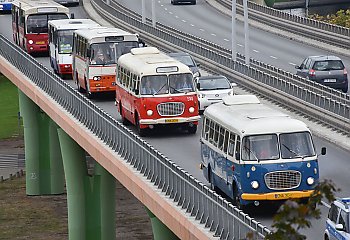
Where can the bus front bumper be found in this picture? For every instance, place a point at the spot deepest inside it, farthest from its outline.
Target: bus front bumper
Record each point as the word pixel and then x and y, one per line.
pixel 277 195
pixel 169 120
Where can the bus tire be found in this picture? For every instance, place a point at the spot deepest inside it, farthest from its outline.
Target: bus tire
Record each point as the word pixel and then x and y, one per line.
pixel 236 200
pixel 124 120
pixel 141 131
pixel 192 129
pixel 211 179
pixel 80 89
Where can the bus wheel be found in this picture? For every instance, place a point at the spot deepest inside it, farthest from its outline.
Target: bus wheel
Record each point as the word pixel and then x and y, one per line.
pixel 192 129
pixel 211 179
pixel 235 198
pixel 124 120
pixel 141 131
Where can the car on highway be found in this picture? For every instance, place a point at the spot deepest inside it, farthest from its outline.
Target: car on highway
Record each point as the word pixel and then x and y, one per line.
pixel 338 221
pixel 326 70
pixel 211 89
pixel 174 2
pixel 188 60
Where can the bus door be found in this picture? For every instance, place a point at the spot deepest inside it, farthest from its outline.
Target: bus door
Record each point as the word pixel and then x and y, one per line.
pixel 15 24
pixel 233 165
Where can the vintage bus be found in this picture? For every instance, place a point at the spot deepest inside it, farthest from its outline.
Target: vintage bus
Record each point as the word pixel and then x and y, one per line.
pixel 95 52
pixel 61 42
pixel 5 5
pixel 155 89
pixel 256 154
pixel 29 23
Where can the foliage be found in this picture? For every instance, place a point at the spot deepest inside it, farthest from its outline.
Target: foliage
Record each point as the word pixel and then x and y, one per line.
pixel 295 215
pixel 341 18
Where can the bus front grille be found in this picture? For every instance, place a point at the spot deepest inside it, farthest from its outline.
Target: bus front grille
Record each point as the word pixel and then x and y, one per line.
pixel 170 108
pixel 283 180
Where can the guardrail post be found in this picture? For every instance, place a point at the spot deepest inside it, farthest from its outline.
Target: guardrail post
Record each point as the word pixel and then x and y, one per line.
pixel 91 199
pixel 160 230
pixel 43 166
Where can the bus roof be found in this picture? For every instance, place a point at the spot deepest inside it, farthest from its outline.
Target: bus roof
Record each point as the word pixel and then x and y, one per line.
pixel 72 24
pixel 246 115
pixel 40 7
pixel 146 61
pixel 99 34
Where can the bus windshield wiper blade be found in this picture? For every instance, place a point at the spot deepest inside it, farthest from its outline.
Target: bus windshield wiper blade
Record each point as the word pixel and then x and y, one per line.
pixel 160 89
pixel 250 151
pixel 290 150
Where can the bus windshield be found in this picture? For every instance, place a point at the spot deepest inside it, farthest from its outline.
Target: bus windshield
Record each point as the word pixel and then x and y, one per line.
pixel 260 147
pixel 65 41
pixel 125 47
pixel 162 84
pixel 295 145
pixel 37 23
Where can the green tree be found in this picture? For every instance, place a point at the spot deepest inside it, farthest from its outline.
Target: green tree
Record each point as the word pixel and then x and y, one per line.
pixel 294 215
pixel 341 18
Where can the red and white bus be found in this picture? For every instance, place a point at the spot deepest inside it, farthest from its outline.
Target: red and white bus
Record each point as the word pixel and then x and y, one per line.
pixel 155 89
pixel 61 42
pixel 95 52
pixel 29 23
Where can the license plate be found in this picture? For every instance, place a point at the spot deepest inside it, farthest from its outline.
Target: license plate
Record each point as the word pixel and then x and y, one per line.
pixel 171 120
pixel 283 195
pixel 42 42
pixel 330 80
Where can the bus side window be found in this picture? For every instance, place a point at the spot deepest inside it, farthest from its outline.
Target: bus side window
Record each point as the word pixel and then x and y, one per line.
pixel 216 134
pixel 221 137
pixel 231 144
pixel 54 40
pixel 206 129
pixel 136 81
pixel 226 141
pixel 238 146
pixel 211 132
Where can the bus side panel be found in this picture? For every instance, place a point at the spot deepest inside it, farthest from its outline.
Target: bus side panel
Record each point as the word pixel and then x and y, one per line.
pixel 80 70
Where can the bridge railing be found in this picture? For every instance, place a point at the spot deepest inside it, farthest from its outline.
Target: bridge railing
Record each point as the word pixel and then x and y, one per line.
pixel 194 198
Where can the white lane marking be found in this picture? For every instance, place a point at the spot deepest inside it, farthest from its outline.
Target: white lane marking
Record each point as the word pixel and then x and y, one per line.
pixel 213 34
pixel 158 1
pixel 226 40
pixel 326 204
pixel 239 45
pixel 176 16
pixel 192 25
pixel 183 20
pixel 255 51
pixel 161 5
pixel 273 57
pixel 292 64
pixel 170 12
pixel 201 29
pixel 165 9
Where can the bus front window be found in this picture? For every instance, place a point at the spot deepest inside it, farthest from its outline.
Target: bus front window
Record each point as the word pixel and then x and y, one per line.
pixel 294 145
pixel 260 147
pixel 180 83
pixel 124 47
pixel 65 41
pixel 153 85
pixel 37 23
pixel 102 54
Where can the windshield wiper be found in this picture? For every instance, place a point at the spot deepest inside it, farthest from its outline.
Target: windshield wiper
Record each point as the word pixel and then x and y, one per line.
pixel 290 150
pixel 177 90
pixel 250 151
pixel 160 89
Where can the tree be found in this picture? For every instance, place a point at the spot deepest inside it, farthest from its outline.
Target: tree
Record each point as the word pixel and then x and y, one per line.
pixel 341 18
pixel 294 215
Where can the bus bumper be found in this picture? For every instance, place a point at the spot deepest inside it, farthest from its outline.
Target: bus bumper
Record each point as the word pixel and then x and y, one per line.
pixel 277 195
pixel 169 120
pixel 37 48
pixel 65 69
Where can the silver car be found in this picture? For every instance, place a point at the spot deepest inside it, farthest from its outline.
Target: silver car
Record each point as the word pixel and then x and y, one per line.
pixel 326 70
pixel 188 60
pixel 337 224
pixel 211 89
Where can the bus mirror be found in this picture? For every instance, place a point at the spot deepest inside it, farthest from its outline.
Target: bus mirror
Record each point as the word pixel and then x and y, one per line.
pixel 323 151
pixel 72 16
pixel 238 157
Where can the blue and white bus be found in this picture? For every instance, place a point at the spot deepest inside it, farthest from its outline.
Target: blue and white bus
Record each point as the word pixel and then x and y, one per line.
pixel 254 153
pixel 5 6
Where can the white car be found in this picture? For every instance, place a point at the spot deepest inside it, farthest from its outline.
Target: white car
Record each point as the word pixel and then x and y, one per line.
pixel 337 225
pixel 211 89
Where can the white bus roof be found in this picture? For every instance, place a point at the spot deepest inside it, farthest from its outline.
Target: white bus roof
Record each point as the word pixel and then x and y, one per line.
pixel 99 34
pixel 40 6
pixel 146 61
pixel 244 114
pixel 72 24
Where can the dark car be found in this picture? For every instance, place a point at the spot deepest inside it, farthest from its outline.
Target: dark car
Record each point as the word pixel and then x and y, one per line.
pixel 188 60
pixel 174 2
pixel 326 70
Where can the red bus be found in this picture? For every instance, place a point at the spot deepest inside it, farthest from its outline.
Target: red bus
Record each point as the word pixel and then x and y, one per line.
pixel 154 89
pixel 29 23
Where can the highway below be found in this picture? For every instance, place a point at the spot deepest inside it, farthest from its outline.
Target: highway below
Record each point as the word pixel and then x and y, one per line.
pixel 184 149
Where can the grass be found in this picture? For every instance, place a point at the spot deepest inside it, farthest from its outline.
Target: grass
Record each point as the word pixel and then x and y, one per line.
pixel 34 217
pixel 8 108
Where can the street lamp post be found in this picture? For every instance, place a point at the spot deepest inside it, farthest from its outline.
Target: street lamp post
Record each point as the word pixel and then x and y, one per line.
pixel 246 33
pixel 233 37
pixel 143 11
pixel 153 13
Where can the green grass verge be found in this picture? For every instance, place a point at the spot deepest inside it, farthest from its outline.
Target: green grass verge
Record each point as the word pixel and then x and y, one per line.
pixel 8 108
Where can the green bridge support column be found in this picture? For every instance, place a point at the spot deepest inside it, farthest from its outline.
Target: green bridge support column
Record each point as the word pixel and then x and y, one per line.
pixel 160 230
pixel 44 172
pixel 91 199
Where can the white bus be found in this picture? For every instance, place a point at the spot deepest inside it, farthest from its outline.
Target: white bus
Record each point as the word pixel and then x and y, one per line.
pixel 154 89
pixel 61 42
pixel 29 23
pixel 95 52
pixel 255 154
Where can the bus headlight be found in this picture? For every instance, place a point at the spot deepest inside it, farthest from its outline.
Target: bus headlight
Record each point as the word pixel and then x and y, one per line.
pixel 191 109
pixel 310 180
pixel 149 112
pixel 255 184
pixel 96 78
pixel 30 41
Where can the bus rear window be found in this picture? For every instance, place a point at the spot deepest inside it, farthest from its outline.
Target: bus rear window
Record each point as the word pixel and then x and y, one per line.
pixel 37 23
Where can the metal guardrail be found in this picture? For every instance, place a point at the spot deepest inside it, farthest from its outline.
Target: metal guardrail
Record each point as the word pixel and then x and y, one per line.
pixel 205 206
pixel 310 28
pixel 12 161
pixel 327 108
